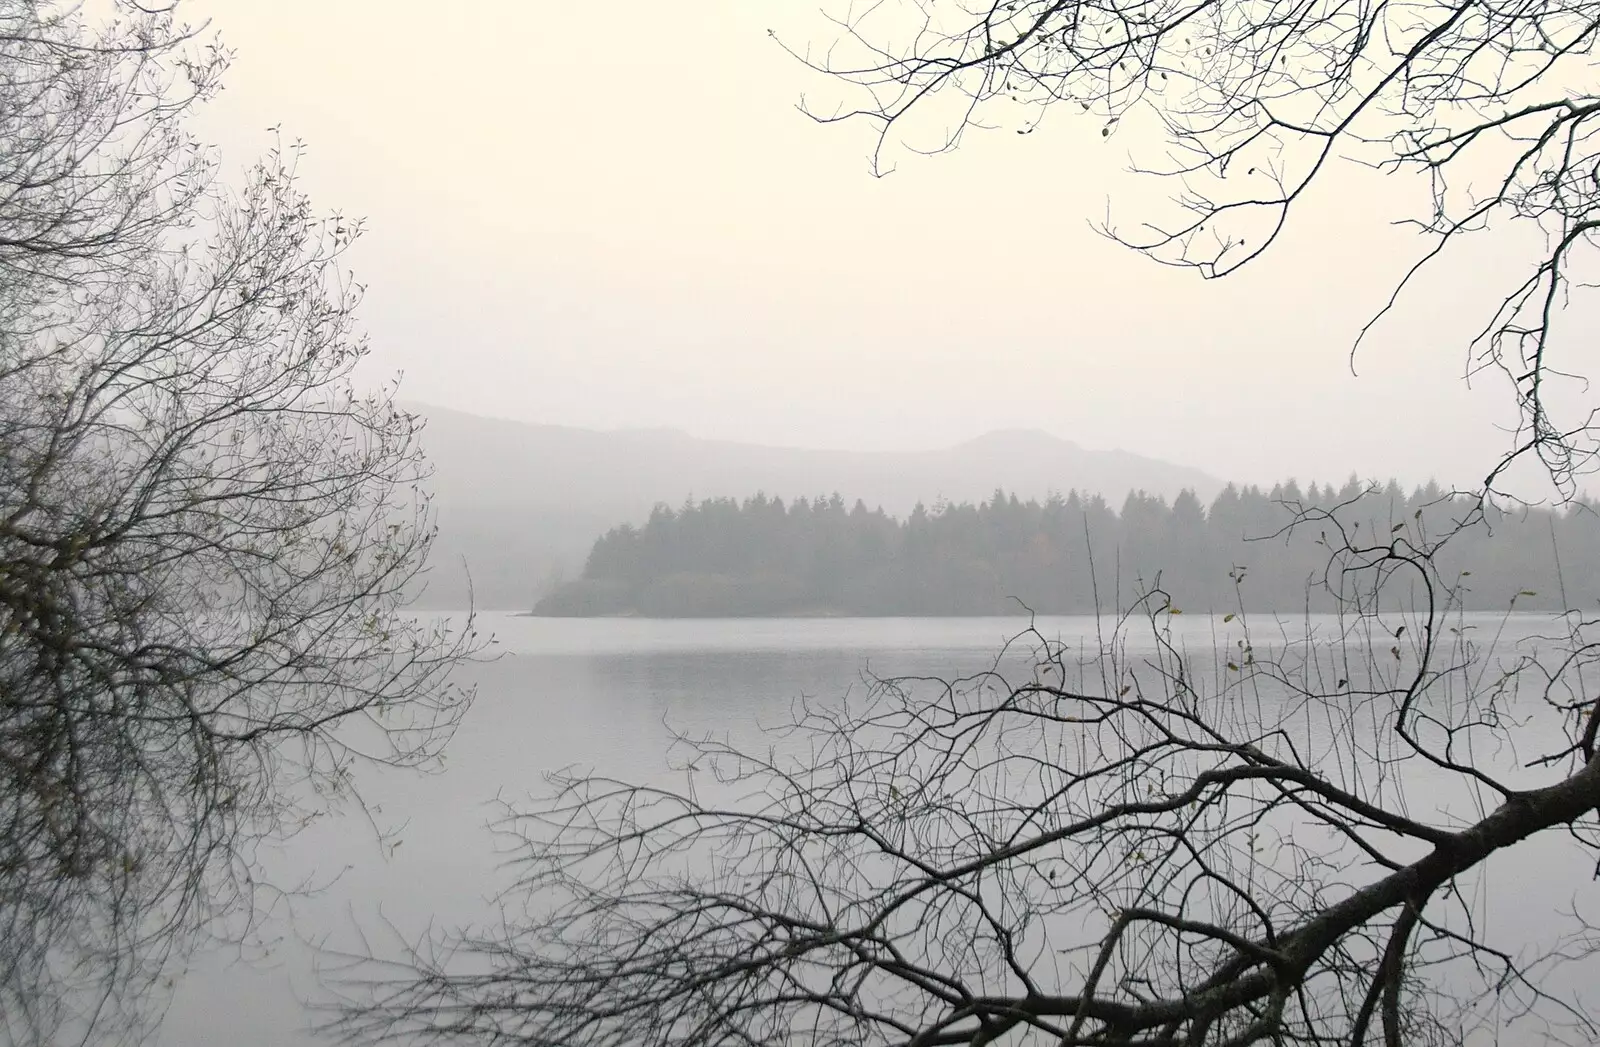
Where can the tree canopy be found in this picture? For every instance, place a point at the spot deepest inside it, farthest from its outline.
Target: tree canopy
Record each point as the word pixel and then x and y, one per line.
pixel 208 531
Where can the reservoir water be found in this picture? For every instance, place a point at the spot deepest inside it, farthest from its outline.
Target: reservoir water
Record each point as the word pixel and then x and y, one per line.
pixel 608 693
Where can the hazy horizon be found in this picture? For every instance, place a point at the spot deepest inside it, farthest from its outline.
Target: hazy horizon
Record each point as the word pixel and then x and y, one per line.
pixel 625 240
pixel 425 409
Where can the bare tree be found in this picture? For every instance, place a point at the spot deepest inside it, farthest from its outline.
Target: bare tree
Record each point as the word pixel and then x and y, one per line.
pixel 1254 101
pixel 208 535
pixel 1275 839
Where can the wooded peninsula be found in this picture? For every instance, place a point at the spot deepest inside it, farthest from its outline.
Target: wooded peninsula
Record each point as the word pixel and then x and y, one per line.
pixel 1251 549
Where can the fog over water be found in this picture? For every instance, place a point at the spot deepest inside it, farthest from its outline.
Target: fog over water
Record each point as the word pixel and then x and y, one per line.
pixel 609 693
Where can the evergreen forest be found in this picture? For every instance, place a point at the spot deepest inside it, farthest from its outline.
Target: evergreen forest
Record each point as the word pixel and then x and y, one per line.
pixel 1071 554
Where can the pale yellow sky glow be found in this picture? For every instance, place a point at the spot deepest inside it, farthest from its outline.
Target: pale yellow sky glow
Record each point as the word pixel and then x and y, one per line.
pixel 620 219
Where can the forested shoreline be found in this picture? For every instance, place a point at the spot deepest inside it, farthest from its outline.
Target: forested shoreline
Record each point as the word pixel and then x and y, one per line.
pixel 1070 554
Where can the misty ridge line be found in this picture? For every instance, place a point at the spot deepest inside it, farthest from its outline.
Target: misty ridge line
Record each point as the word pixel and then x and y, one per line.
pixel 520 504
pixel 1066 554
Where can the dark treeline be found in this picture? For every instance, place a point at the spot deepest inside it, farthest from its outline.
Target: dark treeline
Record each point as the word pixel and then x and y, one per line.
pixel 823 556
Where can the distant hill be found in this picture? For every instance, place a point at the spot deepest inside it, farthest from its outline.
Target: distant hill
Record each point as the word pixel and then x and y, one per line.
pixel 522 504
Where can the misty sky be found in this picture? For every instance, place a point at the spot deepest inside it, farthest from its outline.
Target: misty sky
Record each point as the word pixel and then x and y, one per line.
pixel 624 221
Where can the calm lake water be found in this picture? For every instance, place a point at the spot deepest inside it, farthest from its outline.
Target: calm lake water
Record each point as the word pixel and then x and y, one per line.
pixel 604 693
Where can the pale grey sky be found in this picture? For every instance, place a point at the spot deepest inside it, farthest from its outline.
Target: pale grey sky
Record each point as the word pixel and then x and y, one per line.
pixel 622 220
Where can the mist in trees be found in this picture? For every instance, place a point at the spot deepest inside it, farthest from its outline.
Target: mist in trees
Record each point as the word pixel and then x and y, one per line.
pixel 1071 554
